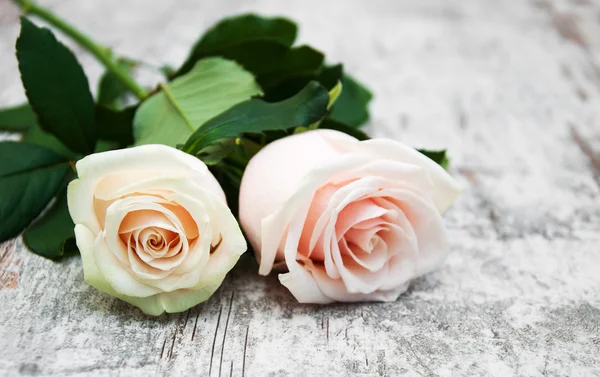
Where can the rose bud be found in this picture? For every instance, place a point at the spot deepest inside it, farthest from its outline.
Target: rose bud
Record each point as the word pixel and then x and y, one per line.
pixel 153 227
pixel 349 220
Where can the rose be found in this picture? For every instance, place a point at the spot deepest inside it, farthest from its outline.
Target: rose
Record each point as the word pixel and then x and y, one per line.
pixel 153 227
pixel 351 221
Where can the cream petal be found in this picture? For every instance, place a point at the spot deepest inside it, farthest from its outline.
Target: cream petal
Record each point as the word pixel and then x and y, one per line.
pixel 92 275
pixel 189 225
pixel 142 269
pixel 174 247
pixel 171 263
pixel 206 278
pixel 80 200
pixel 145 218
pixel 117 211
pixel 199 250
pixel 86 243
pixel 156 158
pixel 231 244
pixel 159 159
pixel 116 274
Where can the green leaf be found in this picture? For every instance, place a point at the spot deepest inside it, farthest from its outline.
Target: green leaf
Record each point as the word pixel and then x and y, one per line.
pixel 69 247
pixel 48 235
pixel 334 94
pixel 215 153
pixel 331 124
pixel 173 114
pixel 229 178
pixel 17 118
pixel 115 125
pixel 326 76
pixel 352 105
pixel 105 145
pixel 56 87
pixel 111 90
pixel 30 176
pixel 255 115
pixel 439 157
pixel 167 70
pixel 272 62
pixel 233 31
pixel 37 136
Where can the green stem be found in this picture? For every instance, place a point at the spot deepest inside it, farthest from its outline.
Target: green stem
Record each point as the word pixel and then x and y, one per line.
pixel 103 54
pixel 236 161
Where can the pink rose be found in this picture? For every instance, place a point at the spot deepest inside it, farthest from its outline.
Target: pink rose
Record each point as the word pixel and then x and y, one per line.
pixel 351 221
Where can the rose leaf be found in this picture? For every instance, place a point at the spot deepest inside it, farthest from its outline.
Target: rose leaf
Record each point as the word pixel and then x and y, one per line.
pixel 115 125
pixel 255 116
pixel 17 118
pixel 231 32
pixel 331 124
pixel 36 136
pixel 111 90
pixel 439 157
pixel 49 234
pixel 30 176
pixel 174 113
pixel 352 105
pixel 56 88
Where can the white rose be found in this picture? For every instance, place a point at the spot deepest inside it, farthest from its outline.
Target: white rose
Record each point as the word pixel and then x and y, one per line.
pixel 351 221
pixel 153 227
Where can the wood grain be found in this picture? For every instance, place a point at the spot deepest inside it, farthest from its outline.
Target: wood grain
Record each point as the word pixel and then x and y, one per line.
pixel 511 88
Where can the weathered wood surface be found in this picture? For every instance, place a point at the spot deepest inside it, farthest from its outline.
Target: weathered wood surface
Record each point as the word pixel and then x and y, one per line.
pixel 512 88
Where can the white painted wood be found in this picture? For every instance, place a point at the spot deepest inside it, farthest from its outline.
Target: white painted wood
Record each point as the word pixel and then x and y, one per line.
pixel 510 87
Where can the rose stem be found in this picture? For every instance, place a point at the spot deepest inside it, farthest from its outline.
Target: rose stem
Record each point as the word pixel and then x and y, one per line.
pixel 103 54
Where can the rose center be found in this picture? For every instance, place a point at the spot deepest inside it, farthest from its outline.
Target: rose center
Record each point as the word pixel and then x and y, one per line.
pixel 159 238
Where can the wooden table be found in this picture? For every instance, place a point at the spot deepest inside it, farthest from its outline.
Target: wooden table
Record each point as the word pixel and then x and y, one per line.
pixel 510 87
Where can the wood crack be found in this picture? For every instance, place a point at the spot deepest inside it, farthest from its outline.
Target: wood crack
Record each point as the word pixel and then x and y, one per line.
pixel 162 351
pixel 245 349
pixel 212 351
pixel 195 324
pixel 225 332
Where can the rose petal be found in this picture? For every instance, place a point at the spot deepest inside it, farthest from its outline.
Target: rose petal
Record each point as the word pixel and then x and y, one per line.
pixel 335 289
pixel 373 261
pixel 446 189
pixel 144 218
pixel 357 212
pixel 231 243
pixel 118 277
pixel 428 227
